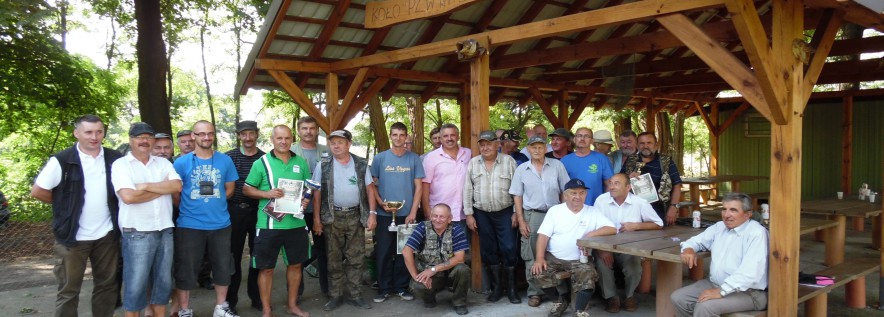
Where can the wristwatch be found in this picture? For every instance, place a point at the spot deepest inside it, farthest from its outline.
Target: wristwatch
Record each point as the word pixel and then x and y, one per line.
pixel 433 269
pixel 373 212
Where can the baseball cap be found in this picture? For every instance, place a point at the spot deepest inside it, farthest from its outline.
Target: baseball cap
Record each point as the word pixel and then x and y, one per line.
pixel 575 183
pixel 183 133
pixel 562 132
pixel 139 128
pixel 162 136
pixel 341 134
pixel 246 125
pixel 488 136
pixel 603 136
pixel 536 139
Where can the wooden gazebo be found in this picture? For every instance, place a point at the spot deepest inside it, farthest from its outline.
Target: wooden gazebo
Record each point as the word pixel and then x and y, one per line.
pixel 567 55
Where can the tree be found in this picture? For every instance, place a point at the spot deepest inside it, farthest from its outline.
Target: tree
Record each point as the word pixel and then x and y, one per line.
pixel 152 66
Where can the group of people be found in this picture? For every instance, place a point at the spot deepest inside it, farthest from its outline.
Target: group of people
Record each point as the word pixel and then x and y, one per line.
pixel 529 205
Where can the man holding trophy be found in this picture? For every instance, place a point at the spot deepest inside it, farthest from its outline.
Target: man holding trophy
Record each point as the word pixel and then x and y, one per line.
pixel 277 179
pixel 397 173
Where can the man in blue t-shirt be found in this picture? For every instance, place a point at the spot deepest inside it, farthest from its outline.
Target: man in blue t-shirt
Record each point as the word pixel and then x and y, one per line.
pixel 398 174
pixel 592 167
pixel 208 178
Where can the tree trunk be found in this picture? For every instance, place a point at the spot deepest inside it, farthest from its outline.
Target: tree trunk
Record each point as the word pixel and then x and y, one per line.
pixel 678 142
pixel 416 115
pixel 151 52
pixel 378 124
pixel 112 46
pixel 63 21
pixel 206 73
pixel 664 134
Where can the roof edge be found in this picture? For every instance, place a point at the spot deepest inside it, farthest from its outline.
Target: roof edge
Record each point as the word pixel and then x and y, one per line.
pixel 248 69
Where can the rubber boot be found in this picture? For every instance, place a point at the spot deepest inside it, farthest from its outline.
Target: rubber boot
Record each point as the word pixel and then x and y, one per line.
pixel 493 272
pixel 510 273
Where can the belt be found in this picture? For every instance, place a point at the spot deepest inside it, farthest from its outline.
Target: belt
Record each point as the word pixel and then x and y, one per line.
pixel 543 211
pixel 244 205
pixel 354 208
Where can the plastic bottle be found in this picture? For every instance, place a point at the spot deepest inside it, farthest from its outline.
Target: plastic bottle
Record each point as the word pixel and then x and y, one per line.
pixel 696 222
pixel 765 214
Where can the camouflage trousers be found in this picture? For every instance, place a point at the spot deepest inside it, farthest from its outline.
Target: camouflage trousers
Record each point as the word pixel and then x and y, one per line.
pixel 345 245
pixel 459 279
pixel 583 275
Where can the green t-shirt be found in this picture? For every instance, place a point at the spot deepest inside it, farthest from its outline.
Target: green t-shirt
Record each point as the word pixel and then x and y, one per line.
pixel 295 169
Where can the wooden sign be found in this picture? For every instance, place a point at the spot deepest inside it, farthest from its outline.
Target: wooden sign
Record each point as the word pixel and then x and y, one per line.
pixel 383 13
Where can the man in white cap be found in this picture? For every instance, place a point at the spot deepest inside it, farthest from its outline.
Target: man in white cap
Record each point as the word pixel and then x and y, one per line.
pixel 603 141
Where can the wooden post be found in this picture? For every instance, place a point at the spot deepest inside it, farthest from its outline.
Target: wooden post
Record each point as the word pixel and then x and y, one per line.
pixel 650 117
pixel 847 156
pixel 880 226
pixel 480 72
pixel 417 125
pixel 332 101
pixel 713 140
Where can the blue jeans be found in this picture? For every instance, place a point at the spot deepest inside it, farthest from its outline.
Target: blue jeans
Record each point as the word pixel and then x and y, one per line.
pixel 147 260
pixel 497 237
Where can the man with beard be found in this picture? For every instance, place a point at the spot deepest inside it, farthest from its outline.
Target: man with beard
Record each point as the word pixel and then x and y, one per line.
pixel 162 146
pixel 398 174
pixel 663 172
pixel 445 169
pixel 77 182
pixel 626 148
pixel 592 167
pixel 287 234
pixel 561 144
pixel 312 151
pixel 144 184
pixel 243 212
pixel 204 223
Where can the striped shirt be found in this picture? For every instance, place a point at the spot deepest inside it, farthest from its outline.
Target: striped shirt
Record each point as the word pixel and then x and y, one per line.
pixel 243 164
pixel 488 190
pixel 458 238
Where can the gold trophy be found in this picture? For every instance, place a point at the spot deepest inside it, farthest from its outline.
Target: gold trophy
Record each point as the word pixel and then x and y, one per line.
pixel 394 204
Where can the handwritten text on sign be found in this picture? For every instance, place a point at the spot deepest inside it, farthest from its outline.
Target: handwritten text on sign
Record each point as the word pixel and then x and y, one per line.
pixel 382 13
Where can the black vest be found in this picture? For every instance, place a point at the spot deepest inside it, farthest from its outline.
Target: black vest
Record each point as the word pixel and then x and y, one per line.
pixel 70 195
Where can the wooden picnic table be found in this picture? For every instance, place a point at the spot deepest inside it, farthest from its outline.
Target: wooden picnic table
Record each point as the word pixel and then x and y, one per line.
pixel 695 182
pixel 839 210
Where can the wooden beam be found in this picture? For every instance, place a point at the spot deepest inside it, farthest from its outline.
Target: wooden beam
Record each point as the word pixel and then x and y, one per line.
pixel 631 12
pixel 855 13
pixel 328 28
pixel 579 107
pixel 709 125
pixel 389 12
pixel 332 100
pixel 847 145
pixel 733 117
pixel 364 98
pixel 291 65
pixel 650 117
pixel 722 61
pixel 713 141
pixel 822 41
pixel 353 90
pixel 300 98
pixel 543 104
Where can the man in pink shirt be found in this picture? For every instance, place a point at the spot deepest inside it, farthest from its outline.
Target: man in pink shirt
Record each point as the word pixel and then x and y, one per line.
pixel 445 169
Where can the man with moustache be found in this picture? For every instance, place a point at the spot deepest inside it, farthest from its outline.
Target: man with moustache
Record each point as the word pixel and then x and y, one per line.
pixel 628 213
pixel 343 212
pixel 592 167
pixel 537 185
pixel 77 182
pixel 312 151
pixel 626 147
pixel 397 173
pixel 243 213
pixel 144 184
pixel 185 143
pixel 489 210
pixel 445 169
pixel 162 146
pixel 561 144
pixel 738 273
pixel 603 142
pixel 663 172
pixel 289 234
pixel 204 226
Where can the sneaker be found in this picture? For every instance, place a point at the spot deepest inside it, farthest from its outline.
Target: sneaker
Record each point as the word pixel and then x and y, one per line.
pixel 461 310
pixel 185 313
pixel 405 295
pixel 381 297
pixel 223 310
pixel 375 285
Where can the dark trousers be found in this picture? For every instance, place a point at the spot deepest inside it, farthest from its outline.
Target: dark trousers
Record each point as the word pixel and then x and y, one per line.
pixel 104 255
pixel 243 222
pixel 393 277
pixel 497 237
pixel 319 255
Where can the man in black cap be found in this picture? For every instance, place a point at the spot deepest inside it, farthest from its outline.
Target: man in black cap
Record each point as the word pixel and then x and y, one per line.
pixel 162 146
pixel 560 140
pixel 243 212
pixel 557 249
pixel 509 144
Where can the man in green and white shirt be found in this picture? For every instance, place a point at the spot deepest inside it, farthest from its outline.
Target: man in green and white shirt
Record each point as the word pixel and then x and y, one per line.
pixel 289 233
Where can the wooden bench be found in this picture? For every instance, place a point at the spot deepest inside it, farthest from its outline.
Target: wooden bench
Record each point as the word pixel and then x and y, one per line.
pixel 815 299
pixel 757 199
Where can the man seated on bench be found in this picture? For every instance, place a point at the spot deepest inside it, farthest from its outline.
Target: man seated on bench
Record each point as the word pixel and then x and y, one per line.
pixel 738 273
pixel 628 212
pixel 557 249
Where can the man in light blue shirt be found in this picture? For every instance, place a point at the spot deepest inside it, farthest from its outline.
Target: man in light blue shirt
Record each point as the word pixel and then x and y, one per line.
pixel 738 273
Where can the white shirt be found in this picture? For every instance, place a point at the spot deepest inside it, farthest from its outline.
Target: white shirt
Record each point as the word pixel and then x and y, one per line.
pixel 739 256
pixel 633 209
pixel 95 219
pixel 564 227
pixel 152 215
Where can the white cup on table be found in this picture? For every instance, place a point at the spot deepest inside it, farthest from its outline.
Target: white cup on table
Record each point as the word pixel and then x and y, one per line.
pixel 840 195
pixel 872 198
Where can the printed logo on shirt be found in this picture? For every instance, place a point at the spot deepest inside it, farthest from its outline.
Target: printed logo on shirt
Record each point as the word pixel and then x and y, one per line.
pixel 203 173
pixel 594 168
pixel 352 180
pixel 397 169
pixel 296 169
